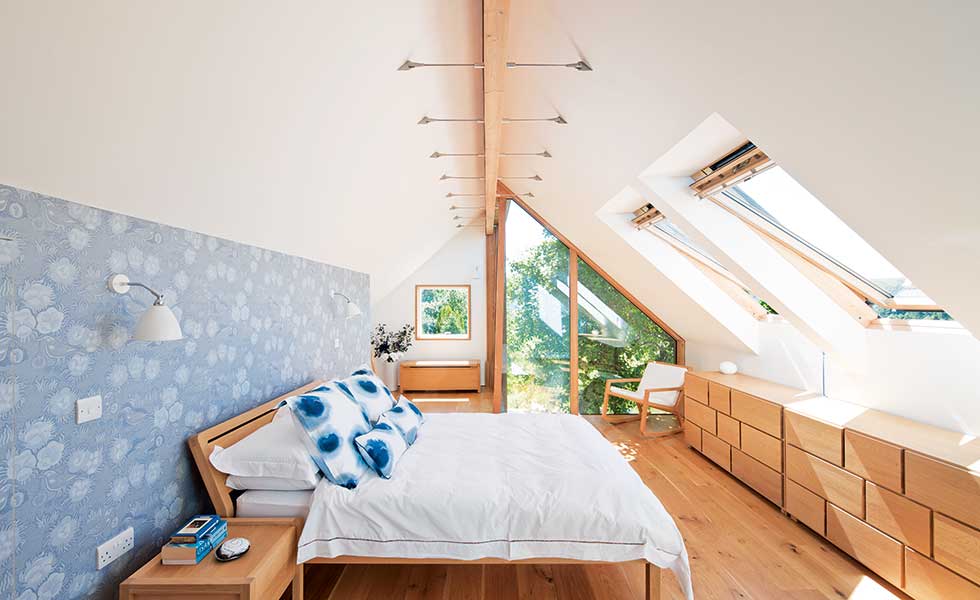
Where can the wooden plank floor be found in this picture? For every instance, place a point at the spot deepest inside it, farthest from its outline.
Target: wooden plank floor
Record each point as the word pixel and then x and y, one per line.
pixel 740 545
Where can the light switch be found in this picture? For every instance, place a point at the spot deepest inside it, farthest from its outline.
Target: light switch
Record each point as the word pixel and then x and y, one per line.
pixel 336 342
pixel 88 409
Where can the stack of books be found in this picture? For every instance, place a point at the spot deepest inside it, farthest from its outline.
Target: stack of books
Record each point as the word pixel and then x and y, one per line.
pixel 195 540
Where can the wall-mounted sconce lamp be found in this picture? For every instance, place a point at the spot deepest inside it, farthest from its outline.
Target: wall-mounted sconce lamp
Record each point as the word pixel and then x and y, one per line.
pixel 351 309
pixel 158 323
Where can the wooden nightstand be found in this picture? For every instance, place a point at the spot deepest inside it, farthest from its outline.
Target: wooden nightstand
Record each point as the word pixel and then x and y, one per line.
pixel 263 573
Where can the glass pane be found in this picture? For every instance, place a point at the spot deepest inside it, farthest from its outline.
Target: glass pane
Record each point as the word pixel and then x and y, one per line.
pixel 778 198
pixel 675 232
pixel 537 334
pixel 615 340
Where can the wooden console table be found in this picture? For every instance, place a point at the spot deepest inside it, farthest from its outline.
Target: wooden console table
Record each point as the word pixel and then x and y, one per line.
pixel 439 375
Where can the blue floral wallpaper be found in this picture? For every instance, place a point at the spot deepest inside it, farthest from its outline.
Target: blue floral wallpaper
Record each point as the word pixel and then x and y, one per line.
pixel 256 324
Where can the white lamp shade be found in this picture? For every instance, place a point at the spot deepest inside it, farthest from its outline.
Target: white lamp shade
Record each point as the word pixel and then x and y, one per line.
pixel 158 324
pixel 353 310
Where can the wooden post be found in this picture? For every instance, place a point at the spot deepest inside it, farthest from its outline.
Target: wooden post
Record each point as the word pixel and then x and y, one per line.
pixel 653 578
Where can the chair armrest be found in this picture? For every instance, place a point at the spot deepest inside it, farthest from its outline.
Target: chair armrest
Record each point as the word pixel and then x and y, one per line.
pixel 647 392
pixel 630 380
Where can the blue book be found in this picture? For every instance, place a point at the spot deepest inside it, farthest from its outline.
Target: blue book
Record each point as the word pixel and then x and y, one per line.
pixel 195 529
pixel 191 554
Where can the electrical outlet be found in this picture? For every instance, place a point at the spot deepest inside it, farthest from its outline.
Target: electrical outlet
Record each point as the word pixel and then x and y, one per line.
pixel 88 409
pixel 336 342
pixel 114 548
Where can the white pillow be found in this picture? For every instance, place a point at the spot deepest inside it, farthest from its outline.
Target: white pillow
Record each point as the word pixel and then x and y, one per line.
pixel 282 484
pixel 273 450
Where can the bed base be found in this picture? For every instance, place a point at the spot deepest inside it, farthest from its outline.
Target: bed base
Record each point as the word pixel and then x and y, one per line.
pixel 236 428
pixel 653 573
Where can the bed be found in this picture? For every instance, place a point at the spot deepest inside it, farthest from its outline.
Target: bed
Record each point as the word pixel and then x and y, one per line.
pixel 475 488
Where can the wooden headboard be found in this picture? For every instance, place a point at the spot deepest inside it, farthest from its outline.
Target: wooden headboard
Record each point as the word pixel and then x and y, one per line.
pixel 224 435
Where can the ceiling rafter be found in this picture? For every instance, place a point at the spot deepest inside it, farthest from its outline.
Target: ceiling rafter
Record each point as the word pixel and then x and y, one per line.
pixel 495 27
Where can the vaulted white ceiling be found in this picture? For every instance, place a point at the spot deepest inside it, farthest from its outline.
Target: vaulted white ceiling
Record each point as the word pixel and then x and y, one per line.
pixel 286 125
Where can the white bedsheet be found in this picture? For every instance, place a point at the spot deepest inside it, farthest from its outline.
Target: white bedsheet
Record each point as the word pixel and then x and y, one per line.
pixel 510 486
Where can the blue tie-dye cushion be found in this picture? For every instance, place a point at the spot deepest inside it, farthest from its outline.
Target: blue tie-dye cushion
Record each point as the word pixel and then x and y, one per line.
pixel 382 448
pixel 332 419
pixel 369 391
pixel 406 418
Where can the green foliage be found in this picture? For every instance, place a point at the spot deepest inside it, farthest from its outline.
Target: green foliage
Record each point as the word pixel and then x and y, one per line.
pixel 639 341
pixel 445 311
pixel 537 355
pixel 925 315
pixel 616 344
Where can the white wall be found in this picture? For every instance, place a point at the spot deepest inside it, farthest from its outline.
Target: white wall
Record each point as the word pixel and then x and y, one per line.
pixel 460 261
pixel 926 374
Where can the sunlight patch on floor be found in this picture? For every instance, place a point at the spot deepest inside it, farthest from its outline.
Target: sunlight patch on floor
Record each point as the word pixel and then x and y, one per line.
pixel 869 589
pixel 628 450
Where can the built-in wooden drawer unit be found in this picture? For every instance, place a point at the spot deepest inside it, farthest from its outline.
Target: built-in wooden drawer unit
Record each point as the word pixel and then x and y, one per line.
pixel 877 551
pixel 957 546
pixel 944 488
pixel 728 430
pixel 764 416
pixel 692 435
pixel 899 517
pixel 716 450
pixel 873 459
pixel 758 476
pixel 830 482
pixel 762 447
pixel 925 580
pixel 720 397
pixel 696 388
pixel 809 508
pixel 701 415
pixel 816 437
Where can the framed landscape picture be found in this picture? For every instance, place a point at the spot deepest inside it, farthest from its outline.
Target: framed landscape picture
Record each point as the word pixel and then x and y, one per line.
pixel 442 312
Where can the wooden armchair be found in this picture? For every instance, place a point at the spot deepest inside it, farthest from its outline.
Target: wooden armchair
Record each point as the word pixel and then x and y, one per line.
pixel 661 387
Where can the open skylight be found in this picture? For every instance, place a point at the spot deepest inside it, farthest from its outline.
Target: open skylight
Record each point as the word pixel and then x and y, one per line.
pixel 787 206
pixel 667 230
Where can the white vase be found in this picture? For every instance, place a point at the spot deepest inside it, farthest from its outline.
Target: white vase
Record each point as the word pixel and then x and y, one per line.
pixel 388 372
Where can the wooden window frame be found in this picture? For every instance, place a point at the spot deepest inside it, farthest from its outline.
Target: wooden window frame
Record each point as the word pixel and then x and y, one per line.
pixel 574 253
pixel 715 185
pixel 442 337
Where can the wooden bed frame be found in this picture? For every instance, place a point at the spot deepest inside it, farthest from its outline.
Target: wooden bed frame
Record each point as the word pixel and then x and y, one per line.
pixel 231 431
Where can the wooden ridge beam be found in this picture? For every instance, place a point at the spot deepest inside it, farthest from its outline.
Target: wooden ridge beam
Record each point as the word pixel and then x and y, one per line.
pixel 495 17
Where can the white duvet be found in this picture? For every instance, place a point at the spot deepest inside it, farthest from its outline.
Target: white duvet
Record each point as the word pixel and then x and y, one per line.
pixel 510 486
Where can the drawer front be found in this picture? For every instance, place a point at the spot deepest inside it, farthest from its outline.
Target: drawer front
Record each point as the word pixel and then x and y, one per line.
pixel 899 517
pixel 692 435
pixel 439 378
pixel 717 450
pixel 764 416
pixel 728 430
pixel 700 415
pixel 809 508
pixel 957 547
pixel 926 579
pixel 943 488
pixel 874 460
pixel 830 482
pixel 696 388
pixel 877 551
pixel 758 476
pixel 816 437
pixel 762 447
pixel 720 397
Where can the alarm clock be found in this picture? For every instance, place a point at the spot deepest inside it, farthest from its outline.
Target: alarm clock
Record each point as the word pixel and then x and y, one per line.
pixel 231 549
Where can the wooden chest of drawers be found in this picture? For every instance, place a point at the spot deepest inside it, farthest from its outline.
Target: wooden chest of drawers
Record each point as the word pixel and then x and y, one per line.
pixel 439 375
pixel 901 497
